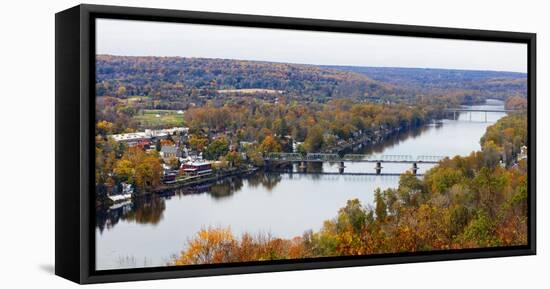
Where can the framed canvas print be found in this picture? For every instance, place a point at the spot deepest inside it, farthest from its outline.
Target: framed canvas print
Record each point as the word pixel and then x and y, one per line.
pixel 194 144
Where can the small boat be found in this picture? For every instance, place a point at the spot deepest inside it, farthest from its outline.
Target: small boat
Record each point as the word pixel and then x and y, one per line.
pixel 169 177
pixel 119 205
pixel 120 198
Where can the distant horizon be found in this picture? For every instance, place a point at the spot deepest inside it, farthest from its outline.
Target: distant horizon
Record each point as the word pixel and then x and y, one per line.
pixel 319 65
pixel 167 39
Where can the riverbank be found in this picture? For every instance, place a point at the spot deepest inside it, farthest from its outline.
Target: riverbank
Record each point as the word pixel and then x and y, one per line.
pixel 378 138
pixel 190 181
pixel 183 182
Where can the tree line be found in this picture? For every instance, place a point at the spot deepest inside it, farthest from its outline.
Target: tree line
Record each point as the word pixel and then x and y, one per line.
pixel 474 85
pixel 318 126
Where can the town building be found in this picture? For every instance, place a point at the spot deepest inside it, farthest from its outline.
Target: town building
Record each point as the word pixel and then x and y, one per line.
pixel 169 151
pixel 134 138
pixel 197 168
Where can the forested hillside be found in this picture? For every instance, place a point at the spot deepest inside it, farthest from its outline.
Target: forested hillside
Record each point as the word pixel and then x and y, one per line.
pixel 176 82
pixel 193 79
pixel 473 83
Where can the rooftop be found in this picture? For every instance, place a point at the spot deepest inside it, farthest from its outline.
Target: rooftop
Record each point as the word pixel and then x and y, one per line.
pixel 169 149
pixel 148 133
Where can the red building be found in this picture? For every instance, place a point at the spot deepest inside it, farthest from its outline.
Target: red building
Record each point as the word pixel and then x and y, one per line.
pixel 197 168
pixel 144 144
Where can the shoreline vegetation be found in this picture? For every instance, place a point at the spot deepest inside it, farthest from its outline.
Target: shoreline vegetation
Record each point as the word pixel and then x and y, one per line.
pixel 236 137
pixel 463 202
pixel 222 173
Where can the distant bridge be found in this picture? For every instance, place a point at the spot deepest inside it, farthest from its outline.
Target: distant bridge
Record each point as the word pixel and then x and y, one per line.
pixel 459 109
pixel 480 110
pixel 354 158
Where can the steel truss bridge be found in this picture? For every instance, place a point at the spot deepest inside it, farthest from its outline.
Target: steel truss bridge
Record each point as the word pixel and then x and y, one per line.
pixel 359 158
pixel 456 111
pixel 354 158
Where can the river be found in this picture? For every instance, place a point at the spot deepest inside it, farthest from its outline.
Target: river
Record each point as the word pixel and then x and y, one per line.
pixel 150 231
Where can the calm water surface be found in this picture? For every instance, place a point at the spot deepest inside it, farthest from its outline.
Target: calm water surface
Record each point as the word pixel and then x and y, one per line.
pixel 150 231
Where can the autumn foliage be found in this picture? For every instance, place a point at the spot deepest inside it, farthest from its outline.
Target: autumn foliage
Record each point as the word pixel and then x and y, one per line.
pixel 219 245
pixel 464 202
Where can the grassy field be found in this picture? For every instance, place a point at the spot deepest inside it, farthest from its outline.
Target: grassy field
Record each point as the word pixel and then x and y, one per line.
pixel 156 118
pixel 134 99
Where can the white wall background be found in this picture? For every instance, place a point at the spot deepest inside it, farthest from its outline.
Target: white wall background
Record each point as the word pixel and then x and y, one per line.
pixel 27 144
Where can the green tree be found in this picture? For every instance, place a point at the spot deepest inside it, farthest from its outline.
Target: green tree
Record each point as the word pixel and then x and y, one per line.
pixel 124 170
pixel 314 140
pixel 216 149
pixel 301 149
pixel 281 127
pixel 104 127
pixel 121 91
pixel 352 215
pixel 198 143
pixel 381 209
pixel 233 158
pixel 158 145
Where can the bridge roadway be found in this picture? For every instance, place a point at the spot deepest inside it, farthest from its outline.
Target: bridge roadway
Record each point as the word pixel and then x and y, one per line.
pixel 458 110
pixel 479 110
pixel 321 157
pixel 340 173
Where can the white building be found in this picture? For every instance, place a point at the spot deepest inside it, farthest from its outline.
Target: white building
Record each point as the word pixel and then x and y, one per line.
pixel 134 137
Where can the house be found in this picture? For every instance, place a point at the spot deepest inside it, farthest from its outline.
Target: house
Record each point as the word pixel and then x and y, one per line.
pixel 144 144
pixel 523 153
pixel 197 168
pixel 245 144
pixel 169 151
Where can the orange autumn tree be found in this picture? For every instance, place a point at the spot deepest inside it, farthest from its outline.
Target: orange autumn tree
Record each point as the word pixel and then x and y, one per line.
pixel 218 245
pixel 270 144
pixel 140 168
pixel 209 246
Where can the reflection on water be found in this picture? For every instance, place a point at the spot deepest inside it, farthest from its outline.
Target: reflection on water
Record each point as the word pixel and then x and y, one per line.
pixel 149 230
pixel 144 210
pixel 149 209
pixel 393 140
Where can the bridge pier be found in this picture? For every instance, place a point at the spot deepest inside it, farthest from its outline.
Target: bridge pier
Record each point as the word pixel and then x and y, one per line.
pixel 456 112
pixel 378 168
pixel 414 168
pixel 303 166
pixel 341 168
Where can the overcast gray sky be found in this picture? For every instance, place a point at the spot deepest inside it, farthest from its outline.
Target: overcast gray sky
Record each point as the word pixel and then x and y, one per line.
pixel 143 38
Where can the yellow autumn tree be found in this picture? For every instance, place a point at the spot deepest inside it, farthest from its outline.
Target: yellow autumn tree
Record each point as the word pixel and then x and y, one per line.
pixel 212 245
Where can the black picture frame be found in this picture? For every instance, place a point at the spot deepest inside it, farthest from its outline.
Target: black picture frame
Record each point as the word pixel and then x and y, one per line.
pixel 74 120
